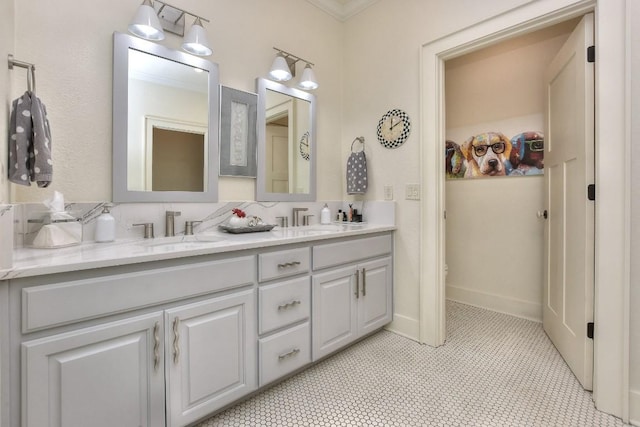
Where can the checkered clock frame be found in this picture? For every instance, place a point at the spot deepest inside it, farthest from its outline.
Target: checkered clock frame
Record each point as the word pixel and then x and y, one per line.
pixel 405 132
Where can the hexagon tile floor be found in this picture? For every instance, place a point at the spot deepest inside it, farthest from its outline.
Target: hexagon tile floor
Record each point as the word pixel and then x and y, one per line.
pixel 494 370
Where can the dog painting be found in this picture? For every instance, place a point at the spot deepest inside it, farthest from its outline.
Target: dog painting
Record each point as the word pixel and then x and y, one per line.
pixel 492 154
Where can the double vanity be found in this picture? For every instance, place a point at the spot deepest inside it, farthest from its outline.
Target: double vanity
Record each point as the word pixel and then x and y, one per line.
pixel 164 332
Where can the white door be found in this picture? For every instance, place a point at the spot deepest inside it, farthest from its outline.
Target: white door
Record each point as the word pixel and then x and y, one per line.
pixel 102 376
pixel 569 232
pixel 211 356
pixel 277 159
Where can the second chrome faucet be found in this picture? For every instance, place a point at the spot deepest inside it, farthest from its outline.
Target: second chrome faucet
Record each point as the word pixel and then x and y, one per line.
pixel 170 227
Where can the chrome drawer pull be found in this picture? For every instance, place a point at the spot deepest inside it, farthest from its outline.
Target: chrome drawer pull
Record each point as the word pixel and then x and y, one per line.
pixel 156 346
pixel 289 304
pixel 289 264
pixel 176 340
pixel 289 354
pixel 357 293
pixel 364 281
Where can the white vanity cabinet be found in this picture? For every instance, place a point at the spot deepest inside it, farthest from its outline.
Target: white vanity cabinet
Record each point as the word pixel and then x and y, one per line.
pixel 210 355
pixel 187 359
pixel 103 376
pixel 352 300
pixel 284 311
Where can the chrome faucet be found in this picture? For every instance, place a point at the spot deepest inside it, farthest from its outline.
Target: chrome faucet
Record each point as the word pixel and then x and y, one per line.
pixel 295 220
pixel 170 223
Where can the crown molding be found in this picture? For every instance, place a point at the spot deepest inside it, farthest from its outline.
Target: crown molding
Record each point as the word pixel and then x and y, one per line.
pixel 342 9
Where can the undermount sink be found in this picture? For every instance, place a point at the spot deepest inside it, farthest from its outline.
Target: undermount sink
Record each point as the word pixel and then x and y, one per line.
pixel 183 242
pixel 319 229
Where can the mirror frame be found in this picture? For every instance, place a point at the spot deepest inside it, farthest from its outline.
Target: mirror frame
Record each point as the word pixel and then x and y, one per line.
pixel 121 45
pixel 262 85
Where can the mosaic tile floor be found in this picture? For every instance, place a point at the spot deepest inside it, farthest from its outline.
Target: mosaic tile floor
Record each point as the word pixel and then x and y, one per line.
pixel 494 370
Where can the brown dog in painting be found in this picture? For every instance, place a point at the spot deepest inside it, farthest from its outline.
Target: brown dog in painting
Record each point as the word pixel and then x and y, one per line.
pixel 485 154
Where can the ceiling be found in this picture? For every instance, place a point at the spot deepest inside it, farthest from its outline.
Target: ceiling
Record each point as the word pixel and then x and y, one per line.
pixel 342 9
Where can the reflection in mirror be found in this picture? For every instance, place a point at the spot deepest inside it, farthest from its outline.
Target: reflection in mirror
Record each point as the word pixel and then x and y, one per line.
pixel 165 124
pixel 286 134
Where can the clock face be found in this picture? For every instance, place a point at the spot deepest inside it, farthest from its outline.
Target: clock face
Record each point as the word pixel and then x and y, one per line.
pixel 394 128
pixel 304 146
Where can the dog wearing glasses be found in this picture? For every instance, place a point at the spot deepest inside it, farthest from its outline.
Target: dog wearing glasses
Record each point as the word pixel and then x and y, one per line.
pixel 527 153
pixel 485 154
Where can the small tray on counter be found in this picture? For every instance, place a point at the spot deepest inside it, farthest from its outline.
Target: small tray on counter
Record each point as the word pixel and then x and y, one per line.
pixel 239 230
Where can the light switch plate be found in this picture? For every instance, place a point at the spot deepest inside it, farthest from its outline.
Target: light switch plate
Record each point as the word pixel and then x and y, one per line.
pixel 388 192
pixel 413 192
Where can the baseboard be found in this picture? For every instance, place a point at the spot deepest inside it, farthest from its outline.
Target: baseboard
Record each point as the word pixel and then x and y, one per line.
pixel 405 326
pixel 634 407
pixel 514 307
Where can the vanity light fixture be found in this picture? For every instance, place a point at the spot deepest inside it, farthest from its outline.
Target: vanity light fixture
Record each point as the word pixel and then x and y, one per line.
pixel 150 22
pixel 308 79
pixel 145 23
pixel 284 68
pixel 196 41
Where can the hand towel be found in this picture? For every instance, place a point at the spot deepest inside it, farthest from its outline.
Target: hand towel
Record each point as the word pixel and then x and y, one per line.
pixel 20 140
pixel 42 171
pixel 357 173
pixel 30 142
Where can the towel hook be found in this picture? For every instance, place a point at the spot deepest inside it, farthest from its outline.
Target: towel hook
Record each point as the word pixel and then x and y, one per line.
pixel 358 139
pixel 31 75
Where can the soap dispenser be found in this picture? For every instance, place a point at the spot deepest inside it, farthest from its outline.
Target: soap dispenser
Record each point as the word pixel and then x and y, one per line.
pixel 325 215
pixel 105 226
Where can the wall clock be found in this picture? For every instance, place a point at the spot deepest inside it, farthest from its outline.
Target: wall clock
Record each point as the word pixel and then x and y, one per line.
pixel 394 128
pixel 304 146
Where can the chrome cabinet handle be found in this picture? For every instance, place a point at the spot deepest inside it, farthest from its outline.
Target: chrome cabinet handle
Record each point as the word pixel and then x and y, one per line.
pixel 364 281
pixel 357 284
pixel 289 305
pixel 289 354
pixel 156 346
pixel 289 264
pixel 176 340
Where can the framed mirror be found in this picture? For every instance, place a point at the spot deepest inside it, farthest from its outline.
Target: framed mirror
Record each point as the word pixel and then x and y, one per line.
pixel 165 124
pixel 286 143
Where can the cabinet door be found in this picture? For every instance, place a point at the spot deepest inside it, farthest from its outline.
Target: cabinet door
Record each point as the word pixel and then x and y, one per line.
pixel 375 302
pixel 211 355
pixel 103 376
pixel 334 310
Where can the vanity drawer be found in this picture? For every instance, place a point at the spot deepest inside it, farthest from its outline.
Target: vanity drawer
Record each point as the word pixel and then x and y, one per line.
pixel 284 303
pixel 332 254
pixel 65 302
pixel 273 265
pixel 284 352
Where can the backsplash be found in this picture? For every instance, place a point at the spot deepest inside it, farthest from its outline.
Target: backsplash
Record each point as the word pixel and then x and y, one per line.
pixel 211 214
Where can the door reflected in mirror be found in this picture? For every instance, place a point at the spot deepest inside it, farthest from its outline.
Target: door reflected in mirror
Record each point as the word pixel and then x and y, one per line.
pixel 285 143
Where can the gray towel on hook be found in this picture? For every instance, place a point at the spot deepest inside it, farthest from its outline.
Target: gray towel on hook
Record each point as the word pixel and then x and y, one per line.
pixel 357 173
pixel 30 142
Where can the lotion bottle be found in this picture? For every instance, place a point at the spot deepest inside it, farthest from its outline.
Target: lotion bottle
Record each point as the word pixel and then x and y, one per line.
pixel 105 226
pixel 325 215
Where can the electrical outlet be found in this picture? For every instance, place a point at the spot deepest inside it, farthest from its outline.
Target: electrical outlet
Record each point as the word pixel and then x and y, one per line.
pixel 388 192
pixel 413 191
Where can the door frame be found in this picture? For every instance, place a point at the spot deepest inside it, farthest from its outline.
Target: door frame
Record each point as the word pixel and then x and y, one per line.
pixel 612 175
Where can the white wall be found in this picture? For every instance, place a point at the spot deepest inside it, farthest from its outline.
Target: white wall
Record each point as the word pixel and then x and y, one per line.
pixel 6 47
pixel 494 240
pixel 382 71
pixel 74 70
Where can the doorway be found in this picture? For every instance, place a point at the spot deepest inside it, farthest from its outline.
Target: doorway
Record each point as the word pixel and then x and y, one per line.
pixel 611 371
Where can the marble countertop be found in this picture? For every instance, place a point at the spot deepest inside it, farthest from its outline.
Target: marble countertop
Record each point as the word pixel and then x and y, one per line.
pixel 34 262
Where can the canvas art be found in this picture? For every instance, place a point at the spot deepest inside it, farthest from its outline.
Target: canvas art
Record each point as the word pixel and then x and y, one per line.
pixel 491 154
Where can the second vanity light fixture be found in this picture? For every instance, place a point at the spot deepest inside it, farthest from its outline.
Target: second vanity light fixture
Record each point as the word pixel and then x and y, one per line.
pixel 145 24
pixel 284 68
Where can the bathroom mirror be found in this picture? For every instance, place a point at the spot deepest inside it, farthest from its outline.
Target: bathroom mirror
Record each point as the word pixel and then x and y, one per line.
pixel 165 124
pixel 286 143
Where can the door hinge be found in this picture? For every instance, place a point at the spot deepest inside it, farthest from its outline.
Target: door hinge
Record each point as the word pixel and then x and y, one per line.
pixel 590 330
pixel 591 54
pixel 591 191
